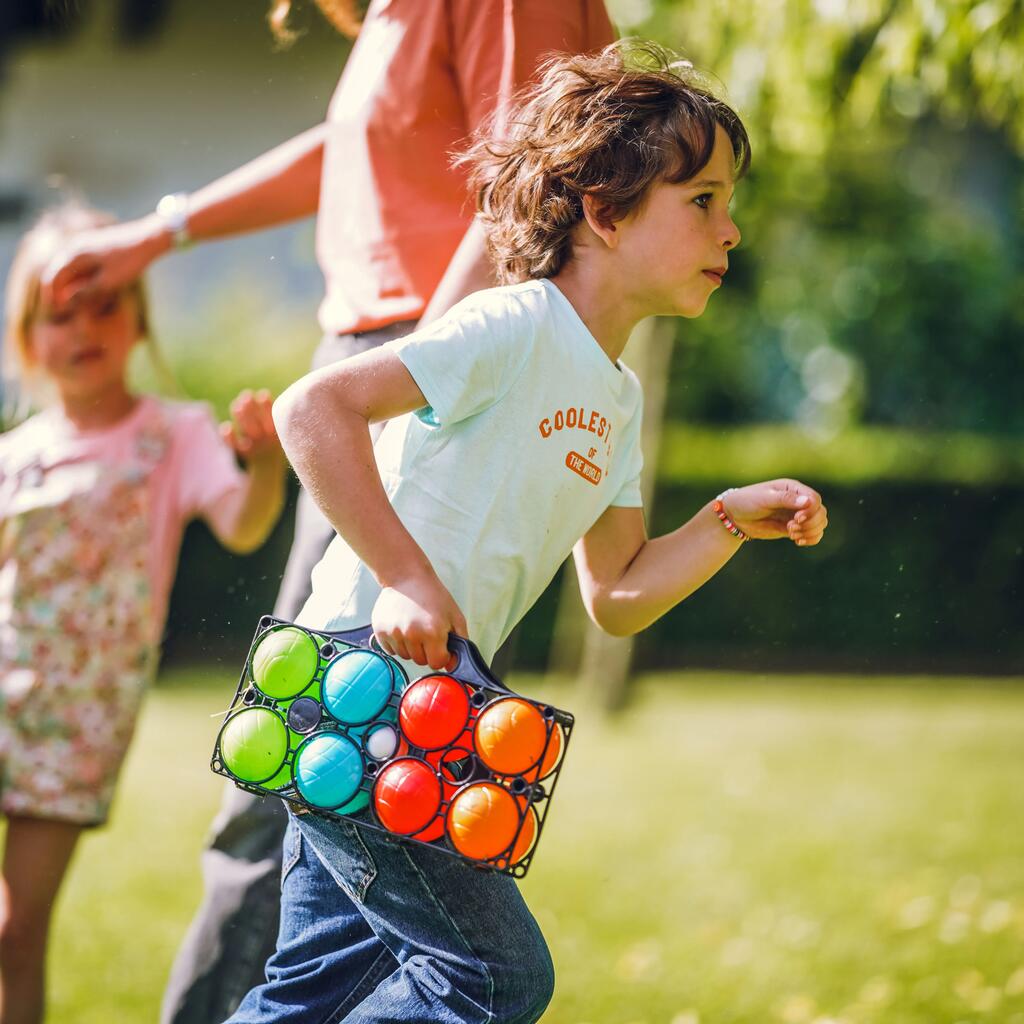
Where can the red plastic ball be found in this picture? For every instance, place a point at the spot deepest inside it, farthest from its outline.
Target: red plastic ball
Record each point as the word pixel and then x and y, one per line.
pixel 434 711
pixel 406 795
pixel 433 831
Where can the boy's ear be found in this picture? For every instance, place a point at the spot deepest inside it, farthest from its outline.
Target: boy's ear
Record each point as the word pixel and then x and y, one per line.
pixel 599 217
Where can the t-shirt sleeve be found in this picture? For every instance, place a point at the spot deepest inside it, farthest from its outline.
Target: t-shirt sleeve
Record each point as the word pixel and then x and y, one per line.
pixel 207 470
pixel 630 494
pixel 467 360
pixel 498 44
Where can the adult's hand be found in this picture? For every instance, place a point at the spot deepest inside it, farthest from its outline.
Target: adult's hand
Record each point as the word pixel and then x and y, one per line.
pixel 103 260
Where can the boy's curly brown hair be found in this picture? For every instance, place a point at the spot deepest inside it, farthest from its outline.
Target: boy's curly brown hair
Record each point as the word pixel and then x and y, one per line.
pixel 608 126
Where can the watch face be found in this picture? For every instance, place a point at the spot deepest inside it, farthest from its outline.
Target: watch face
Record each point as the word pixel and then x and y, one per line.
pixel 173 211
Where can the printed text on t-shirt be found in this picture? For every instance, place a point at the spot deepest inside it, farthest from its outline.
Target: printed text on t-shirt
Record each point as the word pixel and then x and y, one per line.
pixel 579 418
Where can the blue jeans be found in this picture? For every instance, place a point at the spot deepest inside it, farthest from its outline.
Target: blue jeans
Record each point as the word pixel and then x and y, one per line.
pixel 376 929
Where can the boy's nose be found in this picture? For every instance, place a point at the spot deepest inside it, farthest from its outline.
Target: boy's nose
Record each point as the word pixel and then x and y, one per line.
pixel 731 236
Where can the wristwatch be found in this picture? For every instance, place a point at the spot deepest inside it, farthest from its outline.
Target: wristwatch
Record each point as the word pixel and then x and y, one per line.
pixel 173 211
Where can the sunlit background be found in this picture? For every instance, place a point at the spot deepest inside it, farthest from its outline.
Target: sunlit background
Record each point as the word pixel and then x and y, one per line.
pixel 807 806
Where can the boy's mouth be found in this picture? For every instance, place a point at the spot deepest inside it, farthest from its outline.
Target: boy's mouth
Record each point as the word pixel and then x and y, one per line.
pixel 716 274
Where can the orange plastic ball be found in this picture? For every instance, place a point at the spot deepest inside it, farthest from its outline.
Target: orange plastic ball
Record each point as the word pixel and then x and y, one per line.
pixel 482 820
pixel 406 795
pixel 551 756
pixel 510 735
pixel 527 834
pixel 433 711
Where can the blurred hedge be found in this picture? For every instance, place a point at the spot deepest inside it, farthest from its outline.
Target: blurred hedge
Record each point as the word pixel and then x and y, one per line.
pixel 914 575
pixel 859 455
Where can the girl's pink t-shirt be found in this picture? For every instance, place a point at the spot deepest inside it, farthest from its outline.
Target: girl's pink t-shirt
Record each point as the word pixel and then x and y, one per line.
pixel 422 76
pixel 174 447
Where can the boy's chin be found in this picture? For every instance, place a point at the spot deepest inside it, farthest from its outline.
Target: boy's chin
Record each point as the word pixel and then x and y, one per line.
pixel 692 309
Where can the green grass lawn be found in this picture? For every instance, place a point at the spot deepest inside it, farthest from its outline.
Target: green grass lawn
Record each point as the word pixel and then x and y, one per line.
pixel 731 849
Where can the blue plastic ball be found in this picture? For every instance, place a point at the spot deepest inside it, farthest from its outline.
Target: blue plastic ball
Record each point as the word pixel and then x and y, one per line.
pixel 328 770
pixel 357 686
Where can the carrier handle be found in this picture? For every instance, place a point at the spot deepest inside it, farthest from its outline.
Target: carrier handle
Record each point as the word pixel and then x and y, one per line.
pixel 470 665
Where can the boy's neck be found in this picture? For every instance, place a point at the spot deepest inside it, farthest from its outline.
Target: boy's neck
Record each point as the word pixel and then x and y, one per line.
pixel 93 412
pixel 598 298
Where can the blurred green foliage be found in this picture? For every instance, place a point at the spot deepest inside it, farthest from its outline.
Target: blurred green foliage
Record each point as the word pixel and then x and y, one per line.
pixel 883 254
pixel 807 71
pixel 239 339
pixel 707 455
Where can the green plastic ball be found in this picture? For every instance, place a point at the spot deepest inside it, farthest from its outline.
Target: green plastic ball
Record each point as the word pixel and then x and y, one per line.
pixel 253 744
pixel 281 780
pixel 284 662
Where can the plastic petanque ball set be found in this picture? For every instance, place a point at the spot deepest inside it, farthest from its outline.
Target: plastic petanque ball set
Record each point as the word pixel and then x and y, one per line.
pixel 456 760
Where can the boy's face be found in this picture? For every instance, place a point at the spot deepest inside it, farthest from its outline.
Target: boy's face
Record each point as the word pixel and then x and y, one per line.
pixel 677 244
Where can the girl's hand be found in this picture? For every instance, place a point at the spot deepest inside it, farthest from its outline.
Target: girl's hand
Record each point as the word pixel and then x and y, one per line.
pixel 778 508
pixel 102 260
pixel 412 620
pixel 251 432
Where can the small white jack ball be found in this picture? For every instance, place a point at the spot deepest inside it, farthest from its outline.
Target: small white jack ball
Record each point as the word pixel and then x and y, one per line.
pixel 382 743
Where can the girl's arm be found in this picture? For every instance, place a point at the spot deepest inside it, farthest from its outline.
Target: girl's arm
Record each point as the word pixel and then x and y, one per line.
pixel 281 185
pixel 628 581
pixel 323 421
pixel 243 519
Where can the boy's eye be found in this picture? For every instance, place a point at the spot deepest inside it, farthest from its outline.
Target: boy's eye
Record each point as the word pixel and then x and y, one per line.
pixel 108 307
pixel 703 200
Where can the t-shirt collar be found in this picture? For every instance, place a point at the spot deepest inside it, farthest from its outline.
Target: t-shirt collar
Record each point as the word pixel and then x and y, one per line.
pixel 589 345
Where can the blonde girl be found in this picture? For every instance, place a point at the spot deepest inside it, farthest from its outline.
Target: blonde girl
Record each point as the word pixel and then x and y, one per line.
pixel 95 491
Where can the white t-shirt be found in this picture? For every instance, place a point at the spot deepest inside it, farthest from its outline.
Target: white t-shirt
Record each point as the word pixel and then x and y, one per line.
pixel 531 432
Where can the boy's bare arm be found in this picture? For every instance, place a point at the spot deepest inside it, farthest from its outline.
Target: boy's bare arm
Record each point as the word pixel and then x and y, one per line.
pixel 323 422
pixel 628 581
pixel 282 184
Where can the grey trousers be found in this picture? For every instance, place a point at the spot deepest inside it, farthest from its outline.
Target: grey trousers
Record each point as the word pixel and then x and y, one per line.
pixel 235 928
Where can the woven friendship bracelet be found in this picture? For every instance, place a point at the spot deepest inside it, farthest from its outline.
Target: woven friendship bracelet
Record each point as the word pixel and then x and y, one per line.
pixel 719 509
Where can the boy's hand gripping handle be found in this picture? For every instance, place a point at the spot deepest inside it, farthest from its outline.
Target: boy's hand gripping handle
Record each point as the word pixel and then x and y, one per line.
pixel 469 666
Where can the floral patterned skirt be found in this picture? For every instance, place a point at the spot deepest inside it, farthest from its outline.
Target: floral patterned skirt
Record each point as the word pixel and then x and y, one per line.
pixel 67 714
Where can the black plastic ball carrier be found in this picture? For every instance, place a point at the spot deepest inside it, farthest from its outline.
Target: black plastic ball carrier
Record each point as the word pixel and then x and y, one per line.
pixel 454 759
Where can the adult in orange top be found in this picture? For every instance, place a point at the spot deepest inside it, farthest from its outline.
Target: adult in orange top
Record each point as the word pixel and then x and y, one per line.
pixel 397 245
pixel 421 77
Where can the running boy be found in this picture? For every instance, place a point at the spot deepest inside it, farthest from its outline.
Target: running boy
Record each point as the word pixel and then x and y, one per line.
pixel 513 439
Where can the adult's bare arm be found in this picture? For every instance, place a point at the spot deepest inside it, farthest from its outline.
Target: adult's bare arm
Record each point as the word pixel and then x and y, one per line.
pixel 281 185
pixel 469 270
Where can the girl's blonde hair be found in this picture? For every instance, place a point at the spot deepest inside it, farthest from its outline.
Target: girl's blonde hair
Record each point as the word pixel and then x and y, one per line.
pixel 609 126
pixel 57 226
pixel 345 15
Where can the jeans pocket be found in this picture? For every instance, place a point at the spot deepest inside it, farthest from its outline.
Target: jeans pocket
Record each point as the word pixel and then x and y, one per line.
pixel 341 848
pixel 292 849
